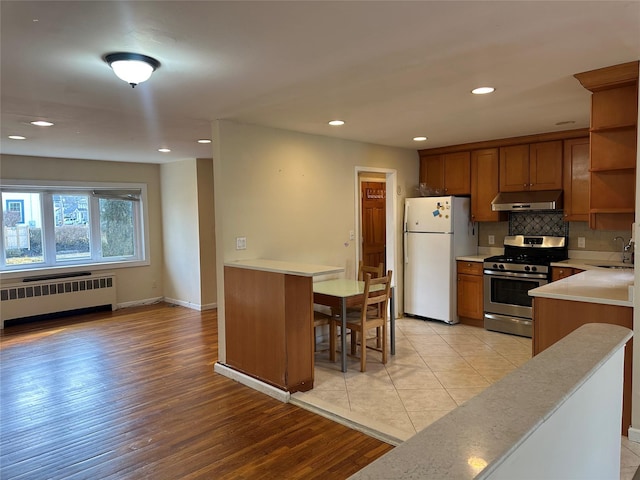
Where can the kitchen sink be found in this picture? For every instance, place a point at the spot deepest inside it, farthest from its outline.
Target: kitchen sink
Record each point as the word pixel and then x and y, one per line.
pixel 617 267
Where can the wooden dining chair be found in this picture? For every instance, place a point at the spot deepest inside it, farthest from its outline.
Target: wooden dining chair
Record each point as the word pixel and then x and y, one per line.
pixel 376 272
pixel 320 319
pixel 372 314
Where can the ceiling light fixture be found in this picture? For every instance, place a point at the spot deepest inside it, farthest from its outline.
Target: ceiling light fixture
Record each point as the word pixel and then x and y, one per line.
pixel 419 139
pixel 133 68
pixel 204 140
pixel 17 137
pixel 483 90
pixel 336 123
pixel 41 123
pixel 164 150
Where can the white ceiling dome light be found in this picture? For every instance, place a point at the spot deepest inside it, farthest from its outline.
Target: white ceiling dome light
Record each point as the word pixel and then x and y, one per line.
pixel 133 68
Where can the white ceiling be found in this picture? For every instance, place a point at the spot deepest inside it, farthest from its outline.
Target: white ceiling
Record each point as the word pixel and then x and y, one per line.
pixel 391 69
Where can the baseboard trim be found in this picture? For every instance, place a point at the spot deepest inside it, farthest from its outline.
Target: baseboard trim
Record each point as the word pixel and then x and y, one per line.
pixel 192 306
pixel 251 382
pixel 139 303
pixel 634 434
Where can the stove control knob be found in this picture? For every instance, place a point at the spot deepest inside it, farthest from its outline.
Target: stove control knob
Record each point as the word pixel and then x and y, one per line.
pixel 495 265
pixel 501 267
pixel 534 269
pixel 527 268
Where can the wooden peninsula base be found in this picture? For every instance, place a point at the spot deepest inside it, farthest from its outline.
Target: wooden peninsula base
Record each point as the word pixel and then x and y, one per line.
pixel 269 321
pixel 554 319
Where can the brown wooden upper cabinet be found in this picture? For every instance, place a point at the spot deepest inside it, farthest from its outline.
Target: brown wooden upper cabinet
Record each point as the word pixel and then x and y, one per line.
pixel 613 133
pixel 484 185
pixel 450 172
pixel 536 166
pixel 576 180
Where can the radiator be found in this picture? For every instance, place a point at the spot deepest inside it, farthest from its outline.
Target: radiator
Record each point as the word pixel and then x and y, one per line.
pixel 54 294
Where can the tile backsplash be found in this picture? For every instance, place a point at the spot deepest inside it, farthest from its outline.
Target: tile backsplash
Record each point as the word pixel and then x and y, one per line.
pixel 595 240
pixel 538 223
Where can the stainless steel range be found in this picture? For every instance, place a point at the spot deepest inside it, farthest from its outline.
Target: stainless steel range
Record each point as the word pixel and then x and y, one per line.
pixel 508 278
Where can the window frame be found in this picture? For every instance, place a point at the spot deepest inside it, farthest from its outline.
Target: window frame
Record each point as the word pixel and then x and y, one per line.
pixel 92 190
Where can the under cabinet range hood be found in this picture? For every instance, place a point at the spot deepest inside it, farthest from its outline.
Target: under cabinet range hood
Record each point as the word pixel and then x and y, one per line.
pixel 529 200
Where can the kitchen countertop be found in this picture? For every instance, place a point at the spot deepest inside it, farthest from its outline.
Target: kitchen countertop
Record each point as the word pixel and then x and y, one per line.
pixel 472 258
pixel 598 285
pixel 289 268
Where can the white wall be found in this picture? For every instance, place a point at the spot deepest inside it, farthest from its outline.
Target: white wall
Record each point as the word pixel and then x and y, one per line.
pixel 292 195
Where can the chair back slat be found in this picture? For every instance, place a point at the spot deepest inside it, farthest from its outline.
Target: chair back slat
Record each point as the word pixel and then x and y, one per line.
pixel 376 272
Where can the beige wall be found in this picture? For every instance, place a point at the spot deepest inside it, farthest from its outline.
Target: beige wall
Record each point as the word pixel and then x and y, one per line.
pixel 206 224
pixel 134 284
pixel 180 233
pixel 293 197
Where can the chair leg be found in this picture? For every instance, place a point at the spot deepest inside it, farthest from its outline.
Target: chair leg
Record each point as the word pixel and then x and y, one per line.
pixel 354 341
pixel 363 351
pixel 378 339
pixel 333 334
pixel 384 343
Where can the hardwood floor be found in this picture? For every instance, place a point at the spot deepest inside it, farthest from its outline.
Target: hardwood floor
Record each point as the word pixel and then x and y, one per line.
pixel 132 394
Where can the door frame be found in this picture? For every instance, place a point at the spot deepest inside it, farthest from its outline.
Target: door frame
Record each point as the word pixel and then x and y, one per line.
pixel 391 224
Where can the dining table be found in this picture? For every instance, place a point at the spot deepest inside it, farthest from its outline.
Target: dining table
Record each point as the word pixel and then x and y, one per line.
pixel 341 293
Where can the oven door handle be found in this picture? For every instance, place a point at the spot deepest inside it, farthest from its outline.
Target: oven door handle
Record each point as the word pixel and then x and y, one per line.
pixel 494 274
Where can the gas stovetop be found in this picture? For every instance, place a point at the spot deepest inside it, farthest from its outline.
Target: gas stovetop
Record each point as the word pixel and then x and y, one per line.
pixel 529 254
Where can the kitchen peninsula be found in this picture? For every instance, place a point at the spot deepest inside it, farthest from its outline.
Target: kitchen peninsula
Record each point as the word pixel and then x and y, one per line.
pixel 600 295
pixel 269 320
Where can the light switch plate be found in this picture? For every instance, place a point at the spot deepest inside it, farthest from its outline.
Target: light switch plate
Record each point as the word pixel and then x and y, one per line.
pixel 581 243
pixel 492 239
pixel 241 243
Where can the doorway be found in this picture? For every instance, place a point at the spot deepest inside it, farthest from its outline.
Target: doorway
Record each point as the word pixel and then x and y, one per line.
pixel 392 226
pixel 373 198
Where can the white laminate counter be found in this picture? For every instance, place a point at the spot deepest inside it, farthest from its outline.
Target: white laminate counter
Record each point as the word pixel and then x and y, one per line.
pixel 600 285
pixel 288 268
pixel 472 258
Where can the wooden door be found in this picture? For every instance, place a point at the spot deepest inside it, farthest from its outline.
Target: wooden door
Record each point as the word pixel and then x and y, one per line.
pixel 374 219
pixel 545 165
pixel 514 168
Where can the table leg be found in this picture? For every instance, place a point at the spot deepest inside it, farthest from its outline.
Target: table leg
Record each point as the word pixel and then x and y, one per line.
pixel 393 322
pixel 343 334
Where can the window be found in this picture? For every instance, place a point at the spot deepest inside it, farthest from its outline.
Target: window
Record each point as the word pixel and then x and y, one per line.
pixel 71 226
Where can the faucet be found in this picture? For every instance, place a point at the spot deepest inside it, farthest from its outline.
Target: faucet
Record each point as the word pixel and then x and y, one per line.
pixel 627 249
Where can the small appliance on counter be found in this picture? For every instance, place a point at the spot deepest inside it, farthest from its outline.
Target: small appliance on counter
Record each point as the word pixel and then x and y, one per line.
pixel 508 278
pixel 436 231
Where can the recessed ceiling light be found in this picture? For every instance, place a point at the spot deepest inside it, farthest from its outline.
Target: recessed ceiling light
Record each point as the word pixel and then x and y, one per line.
pixel 336 123
pixel 204 140
pixel 164 150
pixel 41 123
pixel 419 139
pixel 483 90
pixel 17 137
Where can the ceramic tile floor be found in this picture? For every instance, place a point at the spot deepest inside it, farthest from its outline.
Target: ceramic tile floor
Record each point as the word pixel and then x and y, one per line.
pixel 436 368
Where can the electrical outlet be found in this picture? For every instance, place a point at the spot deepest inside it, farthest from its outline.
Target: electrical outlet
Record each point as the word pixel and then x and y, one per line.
pixel 492 239
pixel 581 243
pixel 241 243
pixel 352 235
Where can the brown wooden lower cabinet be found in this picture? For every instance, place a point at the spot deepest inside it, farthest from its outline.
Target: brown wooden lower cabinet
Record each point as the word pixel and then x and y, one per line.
pixel 268 326
pixel 554 319
pixel 558 273
pixel 470 293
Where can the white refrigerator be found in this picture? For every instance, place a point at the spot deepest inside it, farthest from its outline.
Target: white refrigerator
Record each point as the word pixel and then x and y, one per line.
pixel 436 231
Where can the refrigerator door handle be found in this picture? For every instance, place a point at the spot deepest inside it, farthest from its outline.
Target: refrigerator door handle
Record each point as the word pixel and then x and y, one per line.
pixel 406 250
pixel 406 212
